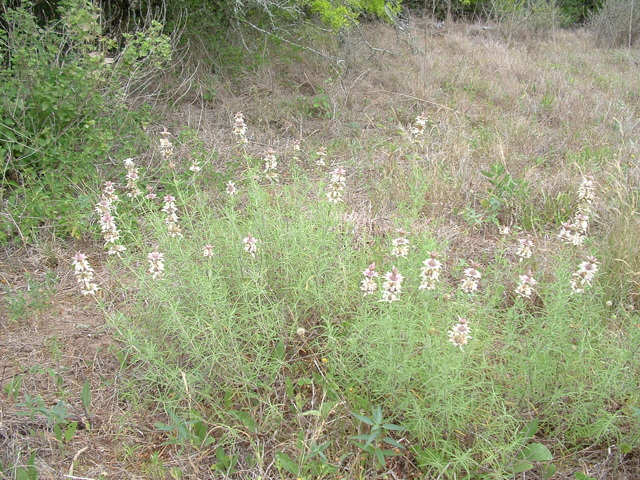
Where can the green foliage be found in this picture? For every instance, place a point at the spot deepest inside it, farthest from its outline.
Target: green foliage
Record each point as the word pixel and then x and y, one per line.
pixel 374 440
pixel 63 111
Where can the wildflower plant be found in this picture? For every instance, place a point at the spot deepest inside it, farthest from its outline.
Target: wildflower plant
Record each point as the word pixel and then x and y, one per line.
pixel 460 333
pixel 250 245
pixel 400 244
pixel 392 286
pixel 240 129
pixel 166 148
pixel 575 232
pixel 469 282
pixel 336 185
pixel 132 177
pixel 321 156
pixel 195 166
pixel 172 217
pixel 151 195
pixel 231 188
pixel 430 273
pixel 525 287
pixel 419 127
pixel 207 251
pixel 525 249
pixel 156 264
pixel 84 274
pixel 583 277
pixel 368 284
pixel 106 210
pixel 270 166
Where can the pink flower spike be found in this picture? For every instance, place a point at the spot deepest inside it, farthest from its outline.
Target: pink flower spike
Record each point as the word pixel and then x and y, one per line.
pixel 370 272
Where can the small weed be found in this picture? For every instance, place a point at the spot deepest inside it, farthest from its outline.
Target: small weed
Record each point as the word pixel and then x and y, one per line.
pixel 21 304
pixel 374 440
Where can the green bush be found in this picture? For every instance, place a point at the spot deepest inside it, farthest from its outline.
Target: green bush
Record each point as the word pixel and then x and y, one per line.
pixel 63 111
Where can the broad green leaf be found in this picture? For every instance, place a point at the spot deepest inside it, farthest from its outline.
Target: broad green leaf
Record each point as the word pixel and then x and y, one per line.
pixel 71 429
pixel 535 452
pixel 287 463
pixel 549 472
pixel 530 430
pixel 522 467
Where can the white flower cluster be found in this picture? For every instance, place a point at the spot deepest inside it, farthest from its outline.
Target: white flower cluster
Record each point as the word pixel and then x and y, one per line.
pixel 84 274
pixel 582 278
pixel 106 210
pixel 525 288
pixel 419 127
pixel 337 184
pixel 368 284
pixel 240 128
pixel 207 251
pixel 460 334
pixel 250 245
pixel 430 273
pixel 270 166
pixel 296 150
pixel 472 275
pixel 195 166
pixel 392 286
pixel 172 218
pixel 166 147
pixel 156 264
pixel 575 233
pixel 132 176
pixel 525 250
pixel 322 155
pixel 400 244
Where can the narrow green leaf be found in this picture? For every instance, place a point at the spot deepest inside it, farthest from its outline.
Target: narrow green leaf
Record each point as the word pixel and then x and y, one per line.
pixel 393 443
pixel 288 385
pixel 380 457
pixel 315 413
pixel 377 415
pixel 280 350
pixel 363 419
pixel 391 426
pixel 85 396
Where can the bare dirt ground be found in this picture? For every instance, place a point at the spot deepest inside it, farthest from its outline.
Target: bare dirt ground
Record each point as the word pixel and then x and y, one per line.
pixel 52 350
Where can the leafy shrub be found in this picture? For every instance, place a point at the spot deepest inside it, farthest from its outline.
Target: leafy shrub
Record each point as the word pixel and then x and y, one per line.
pixel 63 112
